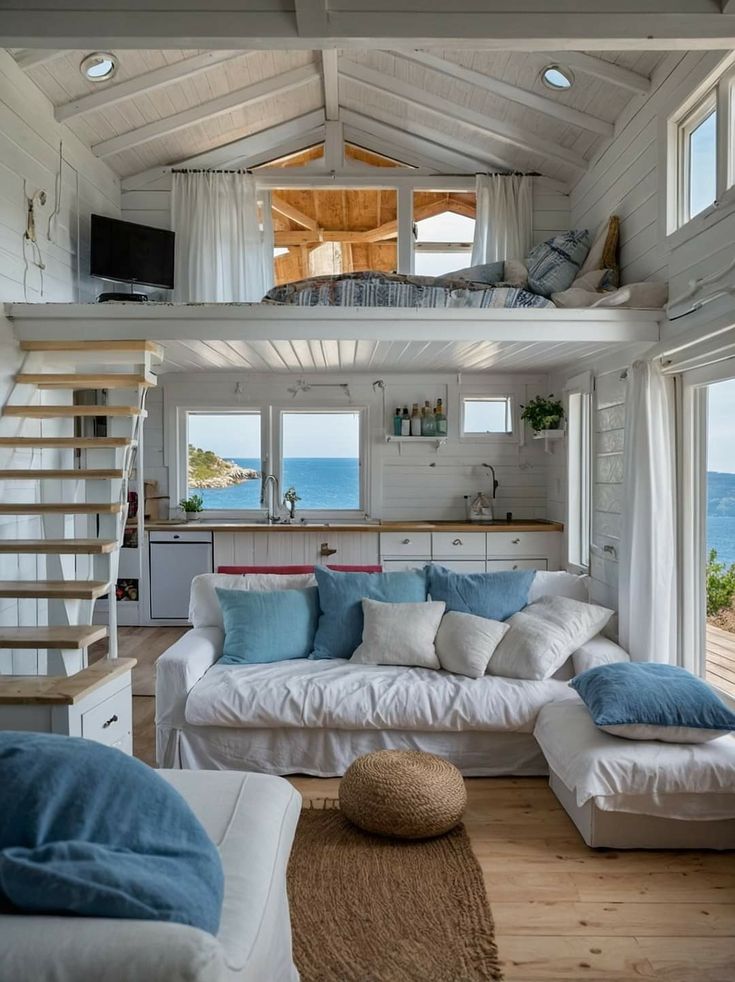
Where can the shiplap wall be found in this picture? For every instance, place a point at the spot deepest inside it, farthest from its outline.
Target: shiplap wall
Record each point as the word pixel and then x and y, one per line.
pixel 29 161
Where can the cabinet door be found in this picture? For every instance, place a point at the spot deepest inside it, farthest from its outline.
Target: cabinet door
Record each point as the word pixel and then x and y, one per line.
pixel 494 565
pixel 399 544
pixel 458 545
pixel 461 565
pixel 344 548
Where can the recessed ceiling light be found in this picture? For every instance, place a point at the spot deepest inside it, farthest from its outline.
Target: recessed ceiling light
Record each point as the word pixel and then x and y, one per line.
pixel 99 66
pixel 557 78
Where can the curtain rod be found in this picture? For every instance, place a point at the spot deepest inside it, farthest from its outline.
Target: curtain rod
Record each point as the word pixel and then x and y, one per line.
pixel 246 170
pixel 184 170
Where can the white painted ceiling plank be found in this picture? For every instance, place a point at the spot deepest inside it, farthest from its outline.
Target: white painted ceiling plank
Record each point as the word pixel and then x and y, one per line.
pixel 157 78
pixel 409 158
pixel 495 128
pixel 33 57
pixel 330 74
pixel 250 94
pixel 599 68
pixel 512 92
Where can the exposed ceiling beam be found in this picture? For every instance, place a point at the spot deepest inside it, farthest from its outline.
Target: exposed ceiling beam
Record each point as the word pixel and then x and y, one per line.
pixel 494 128
pixel 334 146
pixel 240 151
pixel 33 57
pixel 292 213
pixel 311 18
pixel 598 68
pixel 251 94
pixel 531 100
pixel 330 75
pixel 148 82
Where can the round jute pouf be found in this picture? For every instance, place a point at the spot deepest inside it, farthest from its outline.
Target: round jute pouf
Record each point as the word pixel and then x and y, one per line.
pixel 403 793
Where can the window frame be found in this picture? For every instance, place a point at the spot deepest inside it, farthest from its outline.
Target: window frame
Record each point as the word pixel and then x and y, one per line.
pixel 580 457
pixel 464 398
pixel 514 398
pixel 707 105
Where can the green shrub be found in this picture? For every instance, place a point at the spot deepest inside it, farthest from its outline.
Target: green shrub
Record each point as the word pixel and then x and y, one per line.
pixel 720 584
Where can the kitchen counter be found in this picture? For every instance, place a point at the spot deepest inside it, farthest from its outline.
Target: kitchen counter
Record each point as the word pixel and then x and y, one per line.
pixel 520 525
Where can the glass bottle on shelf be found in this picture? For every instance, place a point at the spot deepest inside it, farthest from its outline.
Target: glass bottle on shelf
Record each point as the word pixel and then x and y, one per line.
pixel 415 420
pixel 428 421
pixel 397 423
pixel 405 423
pixel 440 419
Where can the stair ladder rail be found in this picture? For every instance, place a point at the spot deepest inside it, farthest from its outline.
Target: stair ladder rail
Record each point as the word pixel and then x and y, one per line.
pixel 87 566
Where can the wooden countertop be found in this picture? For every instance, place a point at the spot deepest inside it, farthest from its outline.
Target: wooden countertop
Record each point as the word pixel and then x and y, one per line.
pixel 500 526
pixel 60 690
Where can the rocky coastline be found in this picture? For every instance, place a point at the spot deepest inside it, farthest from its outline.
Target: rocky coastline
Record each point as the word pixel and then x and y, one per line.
pixel 208 470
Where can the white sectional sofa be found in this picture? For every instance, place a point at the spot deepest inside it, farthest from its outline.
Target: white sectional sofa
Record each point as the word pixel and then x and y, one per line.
pixel 316 717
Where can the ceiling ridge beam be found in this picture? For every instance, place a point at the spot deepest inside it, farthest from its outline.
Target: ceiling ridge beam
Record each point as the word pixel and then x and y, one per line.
pixel 330 78
pixel 514 93
pixel 494 128
pixel 624 78
pixel 147 82
pixel 249 95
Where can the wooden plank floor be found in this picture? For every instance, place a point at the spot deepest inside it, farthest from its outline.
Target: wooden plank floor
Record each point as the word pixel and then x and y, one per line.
pixel 563 912
pixel 720 658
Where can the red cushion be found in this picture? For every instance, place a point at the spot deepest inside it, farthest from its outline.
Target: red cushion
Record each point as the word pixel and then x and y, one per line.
pixel 297 569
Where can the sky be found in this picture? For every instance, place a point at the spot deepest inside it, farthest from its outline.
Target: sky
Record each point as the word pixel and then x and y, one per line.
pixel 703 165
pixel 304 434
pixel 721 421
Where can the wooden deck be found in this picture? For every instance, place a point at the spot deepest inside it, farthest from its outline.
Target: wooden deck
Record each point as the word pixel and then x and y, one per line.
pixel 720 659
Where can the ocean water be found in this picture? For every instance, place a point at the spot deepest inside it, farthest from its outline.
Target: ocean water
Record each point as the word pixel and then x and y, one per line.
pixel 320 482
pixel 721 536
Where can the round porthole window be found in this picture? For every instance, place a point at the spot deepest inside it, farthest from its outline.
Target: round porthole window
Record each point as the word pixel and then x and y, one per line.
pixel 557 78
pixel 99 66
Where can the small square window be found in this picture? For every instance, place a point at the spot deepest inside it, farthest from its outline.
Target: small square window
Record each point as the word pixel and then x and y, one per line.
pixel 482 416
pixel 697 163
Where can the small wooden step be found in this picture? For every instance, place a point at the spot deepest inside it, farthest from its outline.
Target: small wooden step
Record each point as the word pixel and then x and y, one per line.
pixel 61 508
pixel 53 589
pixel 77 636
pixel 81 442
pixel 54 412
pixel 137 345
pixel 63 474
pixel 59 547
pixel 76 382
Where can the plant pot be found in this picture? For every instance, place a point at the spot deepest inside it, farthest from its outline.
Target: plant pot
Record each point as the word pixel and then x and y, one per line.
pixel 191 516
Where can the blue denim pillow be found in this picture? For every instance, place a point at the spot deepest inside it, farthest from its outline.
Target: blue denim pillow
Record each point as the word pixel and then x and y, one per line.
pixel 265 627
pixel 650 701
pixel 553 265
pixel 87 830
pixel 490 273
pixel 493 595
pixel 340 600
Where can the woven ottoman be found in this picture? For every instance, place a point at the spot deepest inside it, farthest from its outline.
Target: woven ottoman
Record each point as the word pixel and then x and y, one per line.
pixel 405 794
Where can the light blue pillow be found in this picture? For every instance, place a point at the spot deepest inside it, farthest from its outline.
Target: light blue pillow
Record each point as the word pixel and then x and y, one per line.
pixel 265 627
pixel 340 600
pixel 553 265
pixel 489 273
pixel 87 830
pixel 493 595
pixel 650 701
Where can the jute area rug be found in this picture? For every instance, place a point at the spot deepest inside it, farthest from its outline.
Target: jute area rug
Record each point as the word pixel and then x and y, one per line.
pixel 370 909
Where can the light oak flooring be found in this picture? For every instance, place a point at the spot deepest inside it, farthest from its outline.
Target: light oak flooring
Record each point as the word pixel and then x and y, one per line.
pixel 563 912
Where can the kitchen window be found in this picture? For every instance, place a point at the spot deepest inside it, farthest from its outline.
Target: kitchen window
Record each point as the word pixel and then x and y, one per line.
pixel 443 236
pixel 223 459
pixel 484 416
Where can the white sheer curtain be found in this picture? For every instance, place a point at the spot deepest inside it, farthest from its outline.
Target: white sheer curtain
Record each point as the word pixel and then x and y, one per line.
pixel 221 254
pixel 648 598
pixel 504 222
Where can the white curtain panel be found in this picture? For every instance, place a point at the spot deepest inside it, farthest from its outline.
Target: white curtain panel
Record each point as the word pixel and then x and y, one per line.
pixel 221 253
pixel 648 543
pixel 504 223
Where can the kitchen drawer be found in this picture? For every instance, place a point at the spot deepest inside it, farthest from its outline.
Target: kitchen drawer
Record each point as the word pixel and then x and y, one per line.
pixel 494 565
pixel 462 545
pixel 461 565
pixel 522 543
pixel 399 565
pixel 405 544
pixel 110 721
pixel 180 536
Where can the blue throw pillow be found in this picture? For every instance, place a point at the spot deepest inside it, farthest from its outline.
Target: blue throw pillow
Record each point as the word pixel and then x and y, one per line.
pixel 553 265
pixel 267 627
pixel 87 830
pixel 340 600
pixel 650 701
pixel 489 273
pixel 493 595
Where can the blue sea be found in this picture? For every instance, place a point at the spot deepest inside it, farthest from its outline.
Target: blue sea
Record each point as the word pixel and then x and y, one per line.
pixel 721 536
pixel 320 482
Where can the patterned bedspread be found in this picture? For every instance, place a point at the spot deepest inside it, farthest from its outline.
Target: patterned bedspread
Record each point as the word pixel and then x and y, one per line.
pixel 371 289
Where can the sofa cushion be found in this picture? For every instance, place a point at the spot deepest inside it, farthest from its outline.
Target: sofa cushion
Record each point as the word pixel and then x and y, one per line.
pixel 204 607
pixel 399 634
pixel 268 626
pixel 493 595
pixel 558 583
pixel 340 601
pixel 465 643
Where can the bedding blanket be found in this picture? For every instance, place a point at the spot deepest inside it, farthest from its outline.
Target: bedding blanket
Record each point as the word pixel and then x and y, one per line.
pixel 374 289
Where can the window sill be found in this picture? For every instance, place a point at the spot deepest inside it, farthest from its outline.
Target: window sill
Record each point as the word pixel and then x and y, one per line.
pixel 703 221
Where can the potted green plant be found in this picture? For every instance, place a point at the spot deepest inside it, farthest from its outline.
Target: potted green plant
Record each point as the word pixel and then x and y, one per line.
pixel 192 506
pixel 544 414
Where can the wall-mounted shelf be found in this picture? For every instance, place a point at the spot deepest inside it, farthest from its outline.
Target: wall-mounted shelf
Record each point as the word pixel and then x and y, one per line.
pixel 549 437
pixel 437 441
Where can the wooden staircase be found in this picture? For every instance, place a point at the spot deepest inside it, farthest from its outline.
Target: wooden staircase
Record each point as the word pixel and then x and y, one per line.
pixel 65 468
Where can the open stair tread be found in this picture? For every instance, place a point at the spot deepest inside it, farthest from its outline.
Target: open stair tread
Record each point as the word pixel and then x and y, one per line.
pixel 59 547
pixel 54 589
pixel 81 380
pixel 82 442
pixel 62 474
pixel 65 636
pixel 79 344
pixel 62 508
pixel 52 412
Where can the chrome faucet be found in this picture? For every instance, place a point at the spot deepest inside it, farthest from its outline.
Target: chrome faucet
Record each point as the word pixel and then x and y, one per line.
pixel 492 470
pixel 270 500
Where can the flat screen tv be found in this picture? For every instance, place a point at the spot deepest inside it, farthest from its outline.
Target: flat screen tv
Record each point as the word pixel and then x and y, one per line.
pixel 131 253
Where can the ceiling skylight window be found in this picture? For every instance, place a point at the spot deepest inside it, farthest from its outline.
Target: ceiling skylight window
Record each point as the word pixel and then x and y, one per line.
pixel 557 78
pixel 99 66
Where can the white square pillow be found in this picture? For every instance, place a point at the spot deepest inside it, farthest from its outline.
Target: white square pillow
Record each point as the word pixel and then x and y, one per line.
pixel 559 583
pixel 399 634
pixel 465 642
pixel 543 635
pixel 204 607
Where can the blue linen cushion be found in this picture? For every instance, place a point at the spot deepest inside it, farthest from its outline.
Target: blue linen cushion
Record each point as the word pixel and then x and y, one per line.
pixel 267 627
pixel 651 701
pixel 87 830
pixel 339 632
pixel 490 273
pixel 553 265
pixel 493 595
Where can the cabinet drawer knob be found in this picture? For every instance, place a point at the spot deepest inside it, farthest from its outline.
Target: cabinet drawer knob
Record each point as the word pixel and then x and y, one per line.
pixel 515 566
pixel 516 541
pixel 456 542
pixel 405 542
pixel 110 721
pixel 324 550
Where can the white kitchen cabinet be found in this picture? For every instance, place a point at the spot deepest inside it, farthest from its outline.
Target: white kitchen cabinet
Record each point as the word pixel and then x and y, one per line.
pixel 458 545
pixel 175 559
pixel 497 565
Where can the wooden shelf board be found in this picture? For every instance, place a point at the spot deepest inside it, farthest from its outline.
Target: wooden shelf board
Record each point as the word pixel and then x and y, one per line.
pixel 76 382
pixel 55 412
